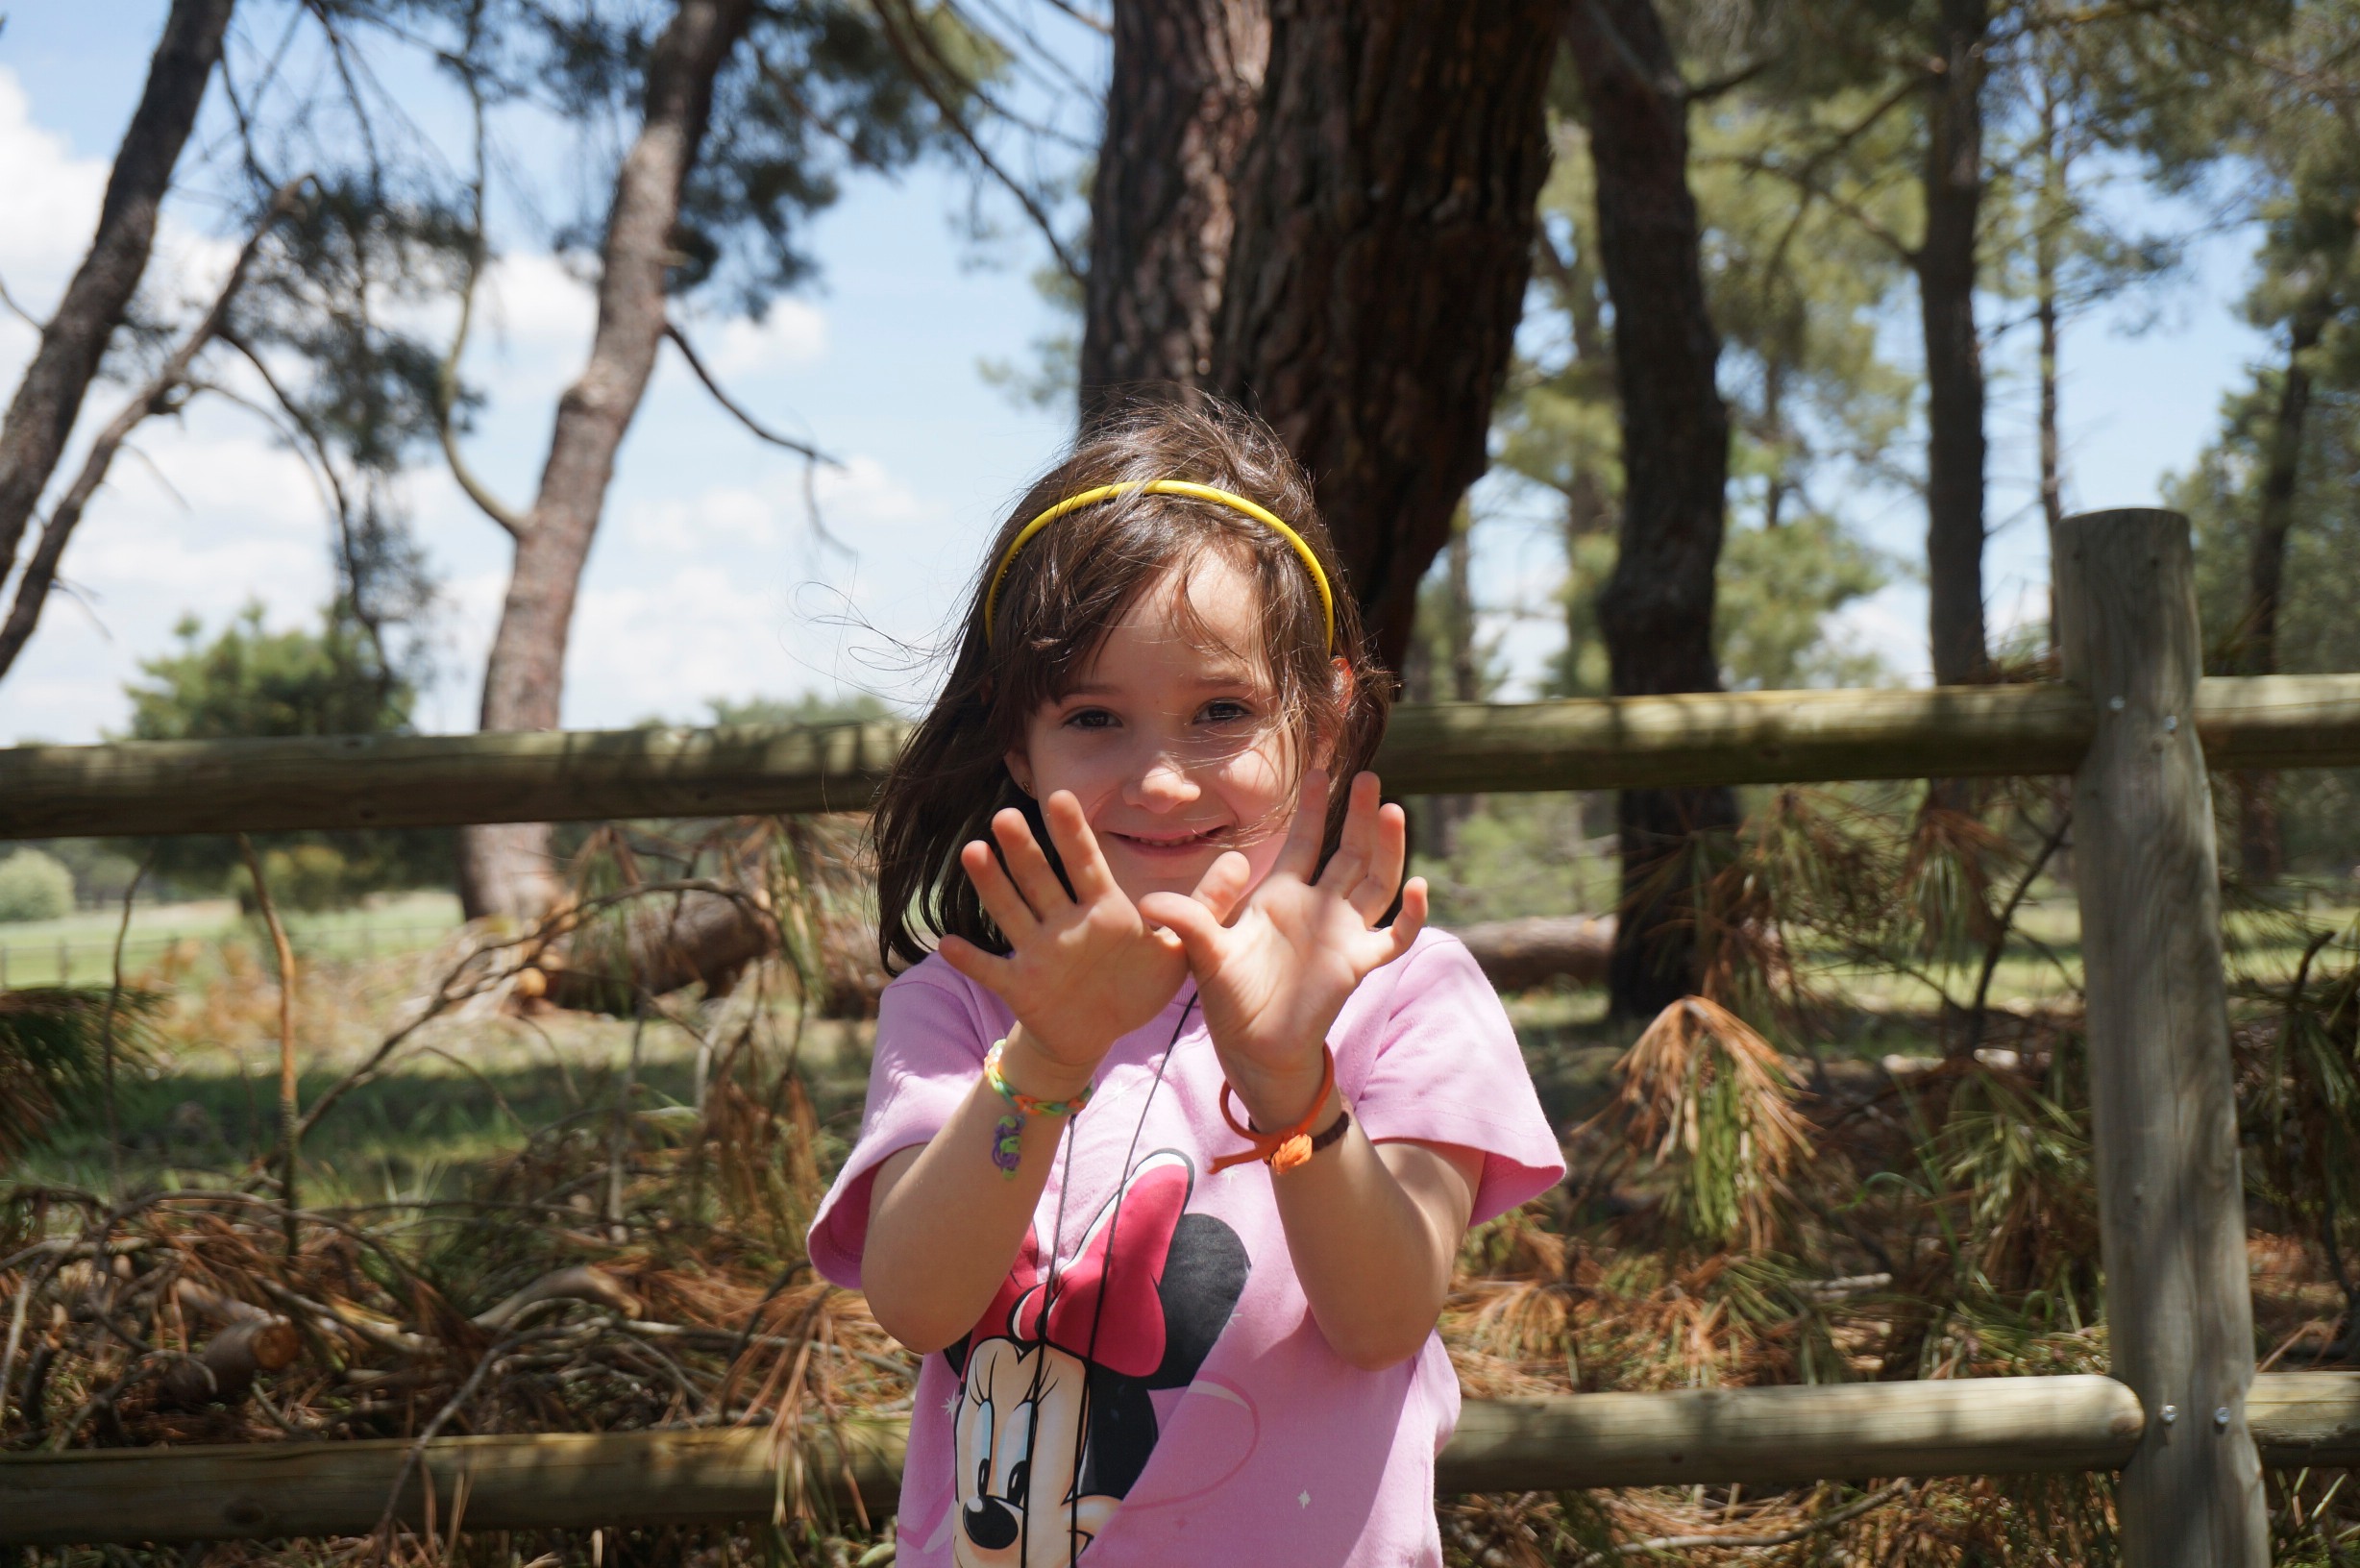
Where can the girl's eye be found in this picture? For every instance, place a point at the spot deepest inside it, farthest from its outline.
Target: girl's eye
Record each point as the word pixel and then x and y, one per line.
pixel 1090 719
pixel 1225 710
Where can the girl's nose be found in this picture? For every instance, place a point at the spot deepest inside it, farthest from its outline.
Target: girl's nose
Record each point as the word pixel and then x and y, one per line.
pixel 1162 784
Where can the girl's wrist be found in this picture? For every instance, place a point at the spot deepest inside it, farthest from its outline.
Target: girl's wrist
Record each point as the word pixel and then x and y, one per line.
pixel 1280 1096
pixel 1031 1071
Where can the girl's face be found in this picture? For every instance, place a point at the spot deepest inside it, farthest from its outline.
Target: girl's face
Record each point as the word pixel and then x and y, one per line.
pixel 1172 740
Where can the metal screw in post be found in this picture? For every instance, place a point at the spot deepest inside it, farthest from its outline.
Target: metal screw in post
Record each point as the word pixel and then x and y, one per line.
pixel 2114 704
pixel 2169 1414
pixel 2220 1419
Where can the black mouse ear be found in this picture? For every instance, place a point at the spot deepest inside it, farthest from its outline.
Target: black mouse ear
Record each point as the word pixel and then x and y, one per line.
pixel 1204 1274
pixel 956 1352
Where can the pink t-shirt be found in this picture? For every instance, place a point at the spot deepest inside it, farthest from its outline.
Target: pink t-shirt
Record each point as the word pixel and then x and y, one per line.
pixel 1167 1397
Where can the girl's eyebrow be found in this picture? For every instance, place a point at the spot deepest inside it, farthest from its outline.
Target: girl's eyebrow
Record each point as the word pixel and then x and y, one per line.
pixel 1224 675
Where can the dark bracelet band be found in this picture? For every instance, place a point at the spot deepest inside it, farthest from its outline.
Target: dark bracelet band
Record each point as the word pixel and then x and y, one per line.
pixel 1335 1133
pixel 1332 1135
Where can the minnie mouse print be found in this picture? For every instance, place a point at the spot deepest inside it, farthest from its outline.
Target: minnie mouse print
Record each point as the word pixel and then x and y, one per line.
pixel 1055 1418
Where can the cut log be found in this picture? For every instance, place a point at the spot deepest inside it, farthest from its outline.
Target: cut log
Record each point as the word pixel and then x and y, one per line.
pixel 669 942
pixel 224 1371
pixel 1518 955
pixel 700 938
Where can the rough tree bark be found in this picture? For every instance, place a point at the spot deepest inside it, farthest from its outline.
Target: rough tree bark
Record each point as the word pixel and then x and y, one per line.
pixel 49 399
pixel 1945 263
pixel 1656 613
pixel 1385 215
pixel 505 869
pixel 1180 111
pixel 2260 843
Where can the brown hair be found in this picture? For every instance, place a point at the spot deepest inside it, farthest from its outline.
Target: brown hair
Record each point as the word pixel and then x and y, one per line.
pixel 1069 585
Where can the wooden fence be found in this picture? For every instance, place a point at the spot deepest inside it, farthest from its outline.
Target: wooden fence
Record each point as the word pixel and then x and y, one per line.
pixel 2189 1425
pixel 1758 1436
pixel 1577 744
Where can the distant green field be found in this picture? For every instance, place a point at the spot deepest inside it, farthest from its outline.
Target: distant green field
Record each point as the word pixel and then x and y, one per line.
pixel 79 950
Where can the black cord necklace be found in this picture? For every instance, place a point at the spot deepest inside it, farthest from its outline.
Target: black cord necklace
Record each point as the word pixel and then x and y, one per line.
pixel 1106 1280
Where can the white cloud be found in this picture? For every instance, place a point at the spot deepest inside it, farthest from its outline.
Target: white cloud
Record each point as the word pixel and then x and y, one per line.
pixel 863 495
pixel 663 648
pixel 793 333
pixel 731 515
pixel 534 306
pixel 860 505
pixel 50 198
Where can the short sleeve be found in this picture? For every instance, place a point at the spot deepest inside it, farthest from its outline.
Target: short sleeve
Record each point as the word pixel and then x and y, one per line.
pixel 932 1030
pixel 1445 1068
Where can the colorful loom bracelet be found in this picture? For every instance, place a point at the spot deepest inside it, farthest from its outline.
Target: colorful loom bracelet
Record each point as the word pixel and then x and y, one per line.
pixel 1008 1134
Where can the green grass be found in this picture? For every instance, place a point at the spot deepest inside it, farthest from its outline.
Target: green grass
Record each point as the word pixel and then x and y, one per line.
pixel 79 949
pixel 204 1113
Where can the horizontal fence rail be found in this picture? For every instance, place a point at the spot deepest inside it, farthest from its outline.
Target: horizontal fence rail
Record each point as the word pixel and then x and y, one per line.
pixel 580 1479
pixel 142 787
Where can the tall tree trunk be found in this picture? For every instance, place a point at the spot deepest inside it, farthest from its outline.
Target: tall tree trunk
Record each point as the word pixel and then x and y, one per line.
pixel 41 416
pixel 2260 843
pixel 1179 115
pixel 506 868
pixel 2047 219
pixel 1385 216
pixel 1657 610
pixel 1946 271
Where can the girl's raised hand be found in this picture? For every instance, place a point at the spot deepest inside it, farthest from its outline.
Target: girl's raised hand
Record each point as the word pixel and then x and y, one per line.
pixel 1083 969
pixel 1273 972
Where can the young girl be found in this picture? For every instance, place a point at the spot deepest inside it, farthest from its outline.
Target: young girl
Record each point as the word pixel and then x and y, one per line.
pixel 1170 1143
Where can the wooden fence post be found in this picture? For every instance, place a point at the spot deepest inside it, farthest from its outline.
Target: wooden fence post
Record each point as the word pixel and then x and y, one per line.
pixel 2171 1198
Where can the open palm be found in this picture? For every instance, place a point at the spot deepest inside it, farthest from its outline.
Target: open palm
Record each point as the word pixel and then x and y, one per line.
pixel 1273 970
pixel 1083 969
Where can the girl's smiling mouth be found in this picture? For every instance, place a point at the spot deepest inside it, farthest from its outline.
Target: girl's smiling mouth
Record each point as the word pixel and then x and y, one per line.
pixel 1166 844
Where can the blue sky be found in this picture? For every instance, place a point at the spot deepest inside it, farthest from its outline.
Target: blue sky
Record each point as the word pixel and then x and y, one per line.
pixel 705 581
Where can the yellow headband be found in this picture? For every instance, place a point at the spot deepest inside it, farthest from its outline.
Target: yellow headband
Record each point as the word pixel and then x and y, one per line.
pixel 1163 487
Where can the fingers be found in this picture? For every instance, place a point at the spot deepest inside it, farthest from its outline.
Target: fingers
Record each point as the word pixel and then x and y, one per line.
pixel 1000 900
pixel 1412 917
pixel 1027 866
pixel 1378 948
pixel 1382 876
pixel 1078 847
pixel 1355 845
pixel 1225 885
pixel 992 972
pixel 1300 858
pixel 1198 929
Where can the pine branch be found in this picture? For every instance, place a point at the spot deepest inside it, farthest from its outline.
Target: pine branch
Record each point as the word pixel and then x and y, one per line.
pixel 907 45
pixel 514 522
pixel 164 393
pixel 1747 1543
pixel 761 431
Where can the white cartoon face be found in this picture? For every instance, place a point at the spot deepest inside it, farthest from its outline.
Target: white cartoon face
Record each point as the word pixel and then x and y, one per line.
pixel 1019 1447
